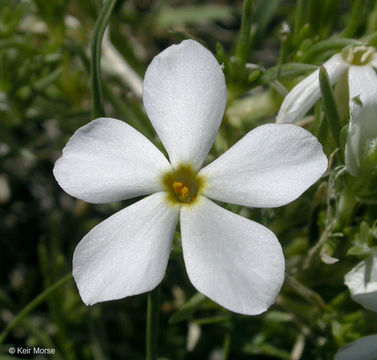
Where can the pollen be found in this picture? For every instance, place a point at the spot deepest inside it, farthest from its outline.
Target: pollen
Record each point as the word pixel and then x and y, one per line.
pixel 183 185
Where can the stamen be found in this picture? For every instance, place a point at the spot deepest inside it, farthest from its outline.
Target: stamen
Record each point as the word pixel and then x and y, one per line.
pixel 366 55
pixel 181 190
pixel 349 57
pixel 177 186
pixel 184 192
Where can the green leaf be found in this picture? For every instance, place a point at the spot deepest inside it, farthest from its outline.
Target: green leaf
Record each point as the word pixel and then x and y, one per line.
pixel 303 34
pixel 358 250
pixel 360 244
pixel 152 324
pixel 343 139
pixel 286 70
pixel 188 309
pixel 212 320
pixel 300 17
pixel 329 105
pixel 32 305
pixel 42 83
pixel 278 316
pixel 95 59
pixel 221 55
pixel 370 39
pixel 374 232
pixel 266 349
pixel 304 48
pixel 328 45
pixel 264 12
pixel 254 76
pixel 193 14
pixel 356 18
pixel 327 251
pixel 182 35
pixel 319 124
pixel 244 38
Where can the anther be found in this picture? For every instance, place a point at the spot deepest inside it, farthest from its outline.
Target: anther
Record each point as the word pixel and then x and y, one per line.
pixel 181 190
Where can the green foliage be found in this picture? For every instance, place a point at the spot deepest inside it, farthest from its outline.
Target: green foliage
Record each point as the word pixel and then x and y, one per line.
pixel 330 107
pixel 193 15
pixel 286 70
pixel 361 242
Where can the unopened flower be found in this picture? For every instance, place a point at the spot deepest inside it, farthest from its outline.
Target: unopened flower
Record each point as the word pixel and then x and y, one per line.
pixel 234 261
pixel 362 282
pixel 364 348
pixel 356 62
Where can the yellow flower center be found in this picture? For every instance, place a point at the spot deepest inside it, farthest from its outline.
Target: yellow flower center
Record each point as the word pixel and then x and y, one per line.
pixel 183 185
pixel 358 55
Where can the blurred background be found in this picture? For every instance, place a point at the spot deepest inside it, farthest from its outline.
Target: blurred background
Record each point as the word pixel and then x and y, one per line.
pixel 45 96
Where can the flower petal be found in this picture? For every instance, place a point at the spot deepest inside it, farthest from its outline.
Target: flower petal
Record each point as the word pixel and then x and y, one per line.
pixel 234 261
pixel 270 166
pixel 363 108
pixel 362 282
pixel 126 254
pixel 305 94
pixel 373 62
pixel 361 349
pixel 362 83
pixel 107 160
pixel 184 97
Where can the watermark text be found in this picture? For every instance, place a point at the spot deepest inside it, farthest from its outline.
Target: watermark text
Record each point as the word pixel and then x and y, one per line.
pixel 35 350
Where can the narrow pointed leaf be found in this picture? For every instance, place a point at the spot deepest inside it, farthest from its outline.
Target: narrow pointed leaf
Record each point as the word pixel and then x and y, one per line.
pixel 244 39
pixel 356 18
pixel 264 13
pixel 328 45
pixel 286 70
pixel 300 16
pixel 329 104
pixel 188 309
pixel 32 305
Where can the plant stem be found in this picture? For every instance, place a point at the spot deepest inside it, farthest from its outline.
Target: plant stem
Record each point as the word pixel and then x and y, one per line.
pixel 308 294
pixel 95 58
pixel 244 38
pixel 152 324
pixel 32 305
pixel 227 340
pixel 313 251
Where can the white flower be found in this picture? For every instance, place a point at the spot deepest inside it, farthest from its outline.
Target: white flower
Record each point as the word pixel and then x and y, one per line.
pixel 234 261
pixel 357 61
pixel 362 128
pixel 362 282
pixel 361 349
